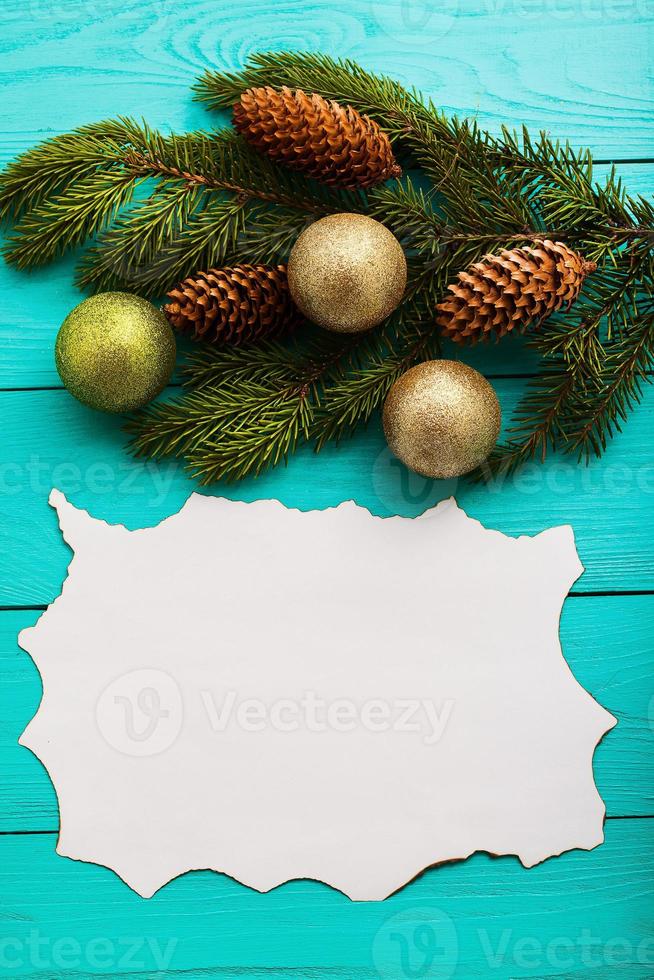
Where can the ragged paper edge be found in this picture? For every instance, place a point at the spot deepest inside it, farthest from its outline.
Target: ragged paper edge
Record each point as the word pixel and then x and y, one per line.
pixel 62 507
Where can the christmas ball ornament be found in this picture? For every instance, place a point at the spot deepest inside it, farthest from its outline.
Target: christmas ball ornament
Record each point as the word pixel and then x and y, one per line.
pixel 115 352
pixel 347 272
pixel 441 418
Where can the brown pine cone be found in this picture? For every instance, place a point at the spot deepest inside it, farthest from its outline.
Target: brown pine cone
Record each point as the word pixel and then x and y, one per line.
pixel 234 306
pixel 510 290
pixel 333 143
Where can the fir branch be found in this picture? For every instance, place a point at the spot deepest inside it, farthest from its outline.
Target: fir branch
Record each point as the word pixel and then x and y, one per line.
pixel 536 424
pixel 139 163
pixel 456 156
pixel 121 257
pixel 417 220
pixel 223 161
pixel 68 218
pixel 259 441
pixel 508 170
pixel 539 423
pixel 409 213
pixel 353 399
pixel 268 236
pixel 153 247
pixel 203 186
pixel 342 80
pixel 58 163
pixel 572 403
pixel 159 207
pixel 247 409
pixel 622 375
pixel 207 238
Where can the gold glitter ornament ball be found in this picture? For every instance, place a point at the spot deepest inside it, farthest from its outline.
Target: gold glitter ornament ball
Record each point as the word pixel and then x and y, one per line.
pixel 441 418
pixel 115 352
pixel 347 272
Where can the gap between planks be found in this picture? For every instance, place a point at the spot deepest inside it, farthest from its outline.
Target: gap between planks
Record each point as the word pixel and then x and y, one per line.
pixel 602 593
pixel 54 833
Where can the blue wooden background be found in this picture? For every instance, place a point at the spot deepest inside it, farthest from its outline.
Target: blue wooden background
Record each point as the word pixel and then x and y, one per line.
pixel 582 70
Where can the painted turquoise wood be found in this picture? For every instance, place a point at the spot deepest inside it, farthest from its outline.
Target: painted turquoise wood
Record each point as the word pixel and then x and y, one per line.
pixel 581 70
pixel 50 439
pixel 583 915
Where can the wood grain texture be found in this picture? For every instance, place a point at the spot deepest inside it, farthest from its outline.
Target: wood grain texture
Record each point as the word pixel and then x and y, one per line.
pixel 581 915
pixel 51 440
pixel 613 664
pixel 582 71
pixel 579 70
pixel 470 60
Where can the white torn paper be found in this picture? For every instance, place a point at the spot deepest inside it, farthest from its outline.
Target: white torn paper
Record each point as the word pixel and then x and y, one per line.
pixel 332 695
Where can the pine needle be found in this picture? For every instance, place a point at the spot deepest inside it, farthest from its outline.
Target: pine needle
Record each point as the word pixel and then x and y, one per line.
pixel 157 208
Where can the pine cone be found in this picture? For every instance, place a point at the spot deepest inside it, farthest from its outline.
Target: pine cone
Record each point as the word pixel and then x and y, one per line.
pixel 233 306
pixel 510 290
pixel 333 143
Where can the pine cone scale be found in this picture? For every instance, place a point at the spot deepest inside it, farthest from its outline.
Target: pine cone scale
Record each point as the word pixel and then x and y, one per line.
pixel 335 144
pixel 237 305
pixel 511 290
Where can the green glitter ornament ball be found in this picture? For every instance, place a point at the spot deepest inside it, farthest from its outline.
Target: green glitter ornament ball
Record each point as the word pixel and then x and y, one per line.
pixel 115 352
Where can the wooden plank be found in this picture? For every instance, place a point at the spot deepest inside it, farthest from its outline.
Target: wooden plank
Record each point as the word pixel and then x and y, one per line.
pixel 580 71
pixel 583 915
pixel 51 440
pixel 614 663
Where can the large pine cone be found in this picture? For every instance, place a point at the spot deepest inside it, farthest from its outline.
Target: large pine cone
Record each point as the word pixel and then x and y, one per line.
pixel 510 290
pixel 233 306
pixel 333 143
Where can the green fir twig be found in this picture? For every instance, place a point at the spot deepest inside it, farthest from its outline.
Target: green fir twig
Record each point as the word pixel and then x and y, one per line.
pixel 158 207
